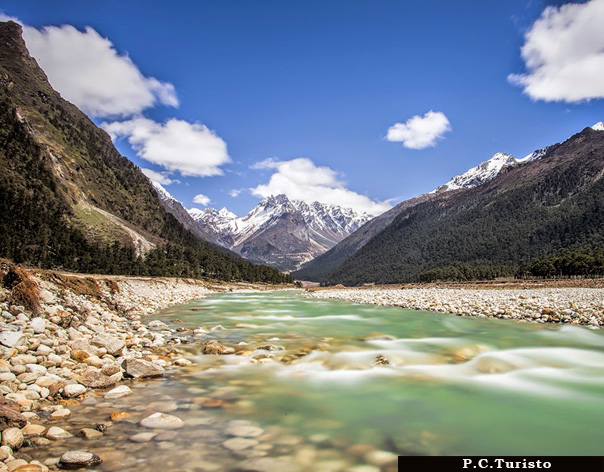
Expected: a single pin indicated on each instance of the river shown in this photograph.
(340, 385)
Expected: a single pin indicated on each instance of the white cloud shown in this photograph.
(564, 54)
(420, 132)
(301, 179)
(88, 71)
(235, 192)
(159, 177)
(178, 146)
(202, 199)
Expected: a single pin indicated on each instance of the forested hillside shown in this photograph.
(530, 210)
(69, 200)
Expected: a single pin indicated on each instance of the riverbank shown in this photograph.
(528, 303)
(66, 339)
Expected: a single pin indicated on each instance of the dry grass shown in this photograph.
(24, 290)
(77, 285)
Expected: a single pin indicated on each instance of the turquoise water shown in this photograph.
(453, 385)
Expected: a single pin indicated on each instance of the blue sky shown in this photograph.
(254, 86)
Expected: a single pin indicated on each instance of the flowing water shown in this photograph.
(322, 399)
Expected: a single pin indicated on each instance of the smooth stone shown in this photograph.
(5, 453)
(30, 468)
(74, 390)
(13, 438)
(77, 459)
(245, 431)
(118, 392)
(268, 464)
(140, 368)
(89, 433)
(142, 437)
(363, 468)
(162, 421)
(55, 433)
(7, 377)
(238, 444)
(45, 381)
(380, 458)
(60, 414)
(12, 338)
(15, 464)
(33, 430)
(38, 325)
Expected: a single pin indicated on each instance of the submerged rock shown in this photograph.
(162, 421)
(215, 348)
(78, 459)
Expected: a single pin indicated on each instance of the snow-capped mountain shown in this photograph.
(279, 231)
(172, 205)
(480, 174)
(599, 126)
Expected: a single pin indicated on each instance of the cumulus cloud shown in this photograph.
(420, 132)
(178, 146)
(88, 71)
(235, 192)
(301, 179)
(202, 199)
(564, 54)
(159, 177)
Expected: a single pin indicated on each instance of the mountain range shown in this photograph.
(69, 200)
(493, 218)
(279, 232)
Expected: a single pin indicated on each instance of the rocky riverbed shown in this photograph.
(578, 306)
(67, 341)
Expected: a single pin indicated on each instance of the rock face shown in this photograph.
(162, 421)
(140, 368)
(78, 459)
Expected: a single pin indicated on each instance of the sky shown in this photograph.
(357, 103)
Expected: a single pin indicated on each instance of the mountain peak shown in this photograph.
(480, 174)
(599, 126)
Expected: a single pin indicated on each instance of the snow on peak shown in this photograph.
(599, 126)
(480, 174)
(162, 192)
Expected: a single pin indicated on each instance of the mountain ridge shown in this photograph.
(477, 176)
(101, 214)
(530, 209)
